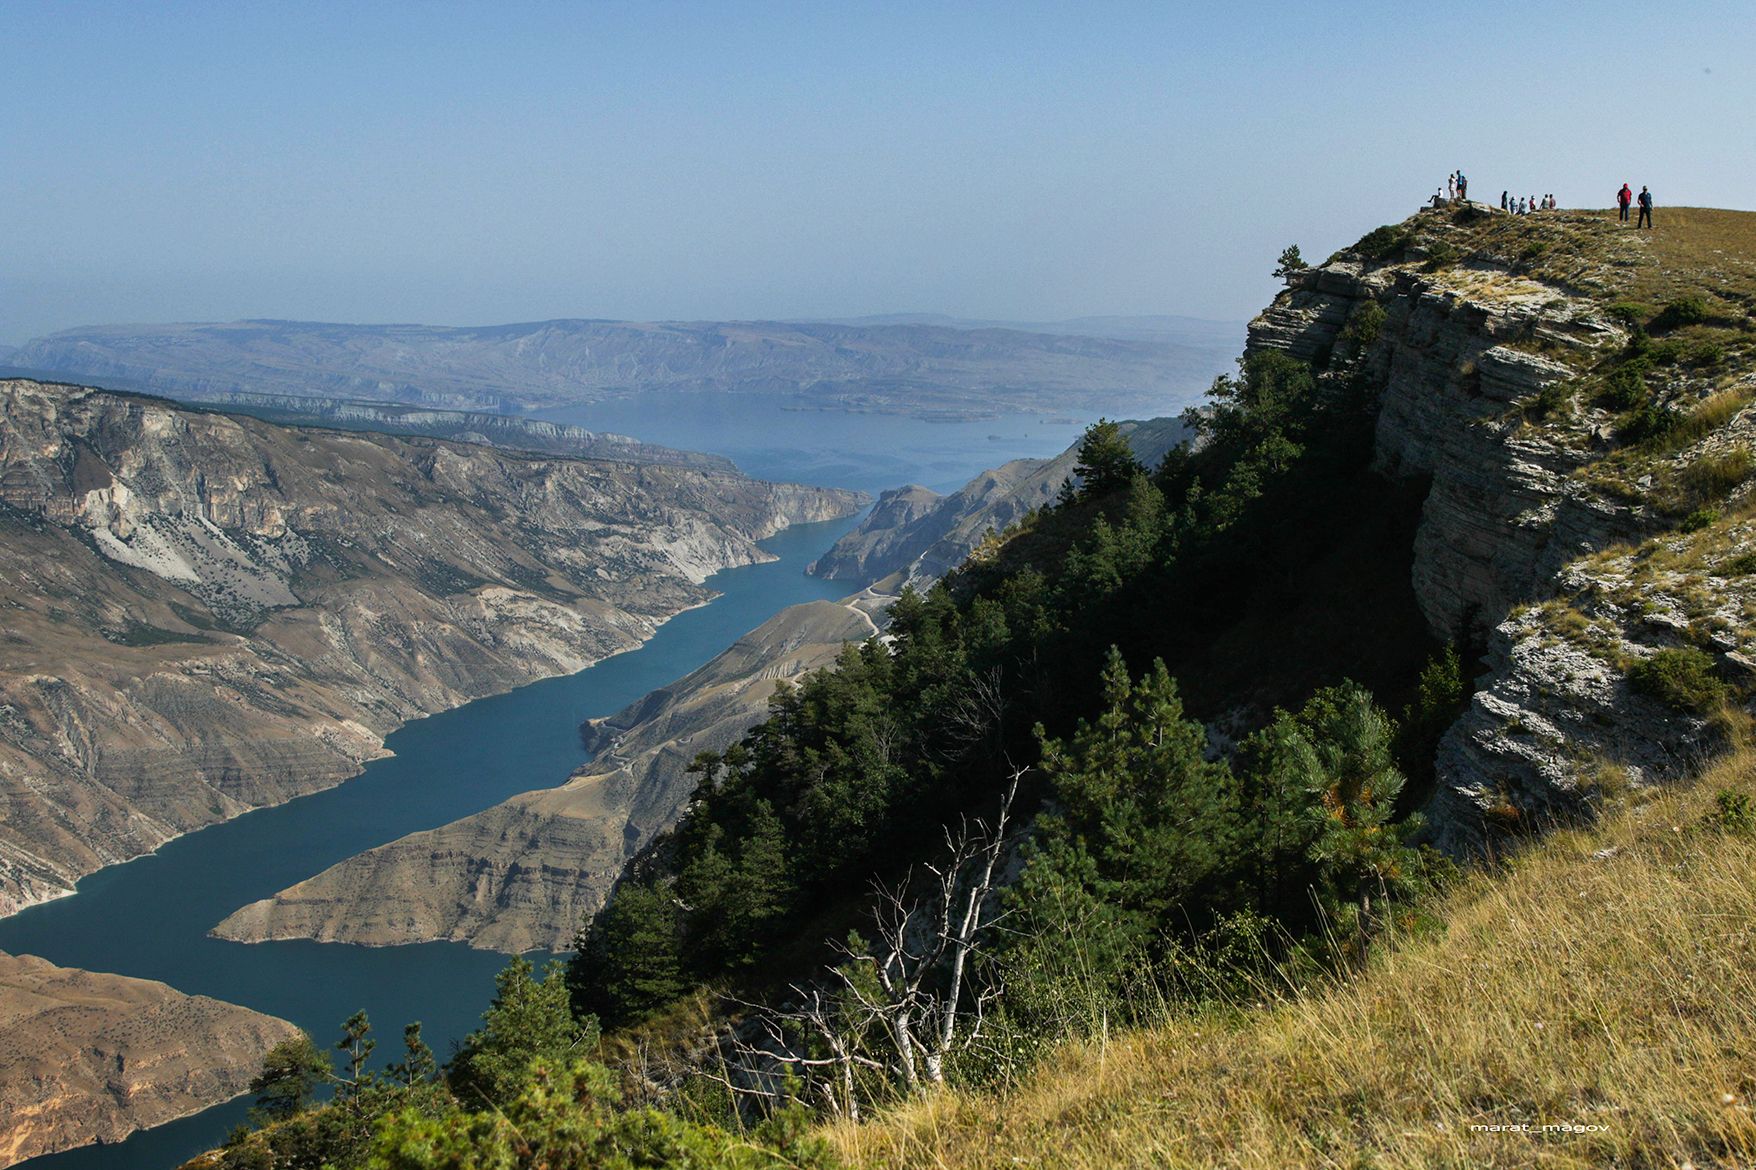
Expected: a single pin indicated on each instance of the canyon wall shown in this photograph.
(204, 613)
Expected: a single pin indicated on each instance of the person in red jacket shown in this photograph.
(1623, 198)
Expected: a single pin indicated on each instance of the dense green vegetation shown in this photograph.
(524, 1090)
(1083, 651)
(1228, 567)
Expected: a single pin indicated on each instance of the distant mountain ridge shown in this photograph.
(893, 368)
(1149, 327)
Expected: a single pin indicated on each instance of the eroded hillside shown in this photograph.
(527, 872)
(207, 613)
(86, 1057)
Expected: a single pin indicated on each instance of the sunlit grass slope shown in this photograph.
(1603, 979)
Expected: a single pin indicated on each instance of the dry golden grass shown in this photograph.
(1603, 978)
(1690, 251)
(1698, 249)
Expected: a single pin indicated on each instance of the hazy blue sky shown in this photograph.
(454, 163)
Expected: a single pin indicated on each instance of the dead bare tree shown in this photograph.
(888, 1017)
(975, 712)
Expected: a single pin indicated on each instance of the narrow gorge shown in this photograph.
(206, 613)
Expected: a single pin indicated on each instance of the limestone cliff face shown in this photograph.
(524, 873)
(1483, 317)
(1503, 514)
(206, 614)
(920, 536)
(86, 1057)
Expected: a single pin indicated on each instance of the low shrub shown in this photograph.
(1681, 677)
(1667, 352)
(1554, 399)
(1685, 310)
(1625, 386)
(1698, 519)
(1381, 243)
(1733, 813)
(1630, 313)
(1363, 326)
(1705, 353)
(1648, 422)
(1715, 475)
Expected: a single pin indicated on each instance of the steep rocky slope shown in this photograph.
(1578, 396)
(524, 873)
(87, 1057)
(920, 535)
(904, 367)
(205, 613)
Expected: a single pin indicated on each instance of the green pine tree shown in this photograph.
(1106, 461)
(530, 1017)
(292, 1071)
(628, 959)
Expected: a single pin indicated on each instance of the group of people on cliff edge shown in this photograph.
(1524, 206)
(1626, 196)
(1456, 189)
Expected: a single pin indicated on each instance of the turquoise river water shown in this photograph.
(150, 917)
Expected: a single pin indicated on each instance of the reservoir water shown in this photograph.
(776, 436)
(150, 917)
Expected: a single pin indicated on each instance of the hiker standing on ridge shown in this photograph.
(1451, 186)
(1462, 188)
(1504, 200)
(1645, 220)
(1623, 198)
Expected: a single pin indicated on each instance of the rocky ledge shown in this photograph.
(205, 613)
(1578, 397)
(86, 1057)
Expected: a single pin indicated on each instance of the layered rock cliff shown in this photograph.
(526, 872)
(86, 1057)
(1577, 395)
(206, 613)
(920, 536)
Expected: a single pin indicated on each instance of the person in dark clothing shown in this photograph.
(1623, 198)
(1645, 209)
(1503, 201)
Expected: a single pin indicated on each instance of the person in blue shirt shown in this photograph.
(1645, 209)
